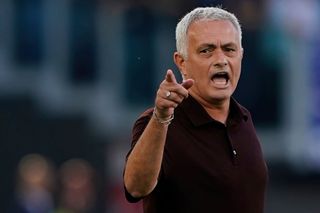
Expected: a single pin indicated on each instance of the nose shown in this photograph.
(220, 59)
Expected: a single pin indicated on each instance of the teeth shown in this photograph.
(220, 81)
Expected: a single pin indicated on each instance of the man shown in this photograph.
(197, 150)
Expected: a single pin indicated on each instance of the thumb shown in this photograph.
(187, 83)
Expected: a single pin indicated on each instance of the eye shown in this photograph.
(230, 49)
(206, 50)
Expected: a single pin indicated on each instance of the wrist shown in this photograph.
(165, 121)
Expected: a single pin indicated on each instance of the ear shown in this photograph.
(241, 52)
(180, 62)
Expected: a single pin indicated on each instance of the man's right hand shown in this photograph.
(170, 94)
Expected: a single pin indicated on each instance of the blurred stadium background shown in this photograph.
(75, 74)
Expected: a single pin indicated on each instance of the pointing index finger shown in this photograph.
(170, 77)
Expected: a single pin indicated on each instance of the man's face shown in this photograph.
(214, 60)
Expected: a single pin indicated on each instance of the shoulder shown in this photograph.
(144, 117)
(240, 109)
(142, 121)
(244, 110)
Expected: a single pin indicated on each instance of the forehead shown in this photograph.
(212, 31)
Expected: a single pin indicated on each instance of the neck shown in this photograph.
(217, 109)
(218, 113)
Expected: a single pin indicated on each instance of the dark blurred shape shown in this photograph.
(25, 129)
(35, 185)
(292, 192)
(77, 193)
(28, 32)
(83, 50)
(119, 203)
(315, 79)
(139, 53)
(259, 86)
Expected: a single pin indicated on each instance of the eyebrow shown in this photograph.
(210, 45)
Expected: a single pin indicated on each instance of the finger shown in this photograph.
(178, 90)
(165, 104)
(170, 95)
(187, 84)
(175, 97)
(170, 77)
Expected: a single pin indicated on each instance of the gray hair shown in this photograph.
(202, 13)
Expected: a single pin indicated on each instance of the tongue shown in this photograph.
(220, 81)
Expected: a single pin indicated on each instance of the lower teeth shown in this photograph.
(220, 81)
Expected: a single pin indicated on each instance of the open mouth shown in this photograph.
(220, 78)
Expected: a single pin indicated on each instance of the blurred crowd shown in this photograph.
(40, 187)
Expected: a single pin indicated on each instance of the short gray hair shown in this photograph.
(202, 13)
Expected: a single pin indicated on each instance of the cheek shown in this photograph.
(237, 71)
(202, 78)
(198, 70)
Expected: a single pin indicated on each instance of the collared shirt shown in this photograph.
(207, 166)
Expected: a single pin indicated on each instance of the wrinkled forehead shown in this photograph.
(213, 29)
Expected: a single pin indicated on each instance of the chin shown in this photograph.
(219, 95)
(220, 98)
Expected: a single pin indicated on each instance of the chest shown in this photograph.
(213, 157)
